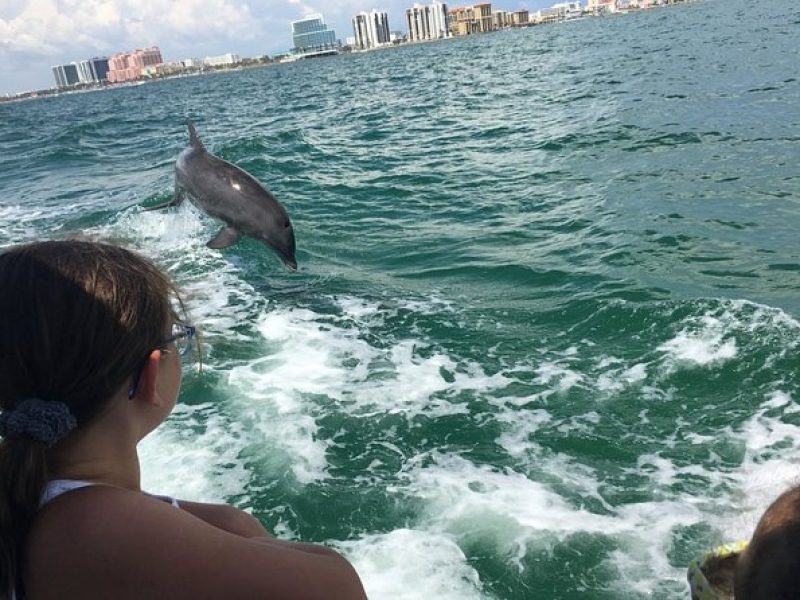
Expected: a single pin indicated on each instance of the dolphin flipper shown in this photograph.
(227, 236)
(176, 200)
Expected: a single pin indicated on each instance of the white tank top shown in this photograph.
(56, 487)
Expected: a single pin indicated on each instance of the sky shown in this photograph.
(37, 34)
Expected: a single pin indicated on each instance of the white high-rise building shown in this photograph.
(371, 29)
(427, 22)
(86, 71)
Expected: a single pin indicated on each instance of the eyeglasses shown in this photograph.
(182, 336)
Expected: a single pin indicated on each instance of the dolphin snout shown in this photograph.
(287, 257)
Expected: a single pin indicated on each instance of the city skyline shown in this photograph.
(39, 34)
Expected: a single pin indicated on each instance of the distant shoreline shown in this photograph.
(105, 85)
(251, 63)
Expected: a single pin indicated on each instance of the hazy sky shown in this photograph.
(37, 34)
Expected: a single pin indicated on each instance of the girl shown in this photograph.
(90, 364)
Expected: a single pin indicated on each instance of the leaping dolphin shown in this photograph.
(233, 196)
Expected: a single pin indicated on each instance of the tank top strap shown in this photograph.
(56, 487)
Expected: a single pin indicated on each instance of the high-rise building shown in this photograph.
(478, 18)
(86, 73)
(482, 15)
(427, 22)
(100, 67)
(66, 75)
(312, 37)
(128, 66)
(371, 29)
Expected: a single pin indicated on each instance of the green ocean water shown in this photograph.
(543, 342)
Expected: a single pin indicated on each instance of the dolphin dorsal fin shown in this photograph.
(194, 139)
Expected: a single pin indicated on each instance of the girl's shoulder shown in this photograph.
(82, 526)
(103, 542)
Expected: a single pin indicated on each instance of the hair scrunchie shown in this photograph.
(43, 420)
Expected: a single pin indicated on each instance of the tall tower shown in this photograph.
(427, 22)
(65, 75)
(312, 37)
(100, 68)
(371, 29)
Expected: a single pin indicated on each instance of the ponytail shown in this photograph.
(23, 474)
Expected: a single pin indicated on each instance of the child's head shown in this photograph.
(770, 567)
(77, 321)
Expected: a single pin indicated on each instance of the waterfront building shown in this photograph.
(466, 20)
(502, 18)
(224, 60)
(545, 15)
(129, 66)
(312, 37)
(93, 70)
(88, 71)
(482, 15)
(176, 68)
(429, 22)
(371, 29)
(99, 68)
(85, 72)
(568, 10)
(558, 13)
(66, 75)
(461, 20)
(597, 7)
(520, 18)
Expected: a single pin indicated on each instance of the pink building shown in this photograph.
(127, 66)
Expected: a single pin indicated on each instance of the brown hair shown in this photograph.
(770, 567)
(77, 319)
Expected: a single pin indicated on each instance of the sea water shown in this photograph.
(543, 342)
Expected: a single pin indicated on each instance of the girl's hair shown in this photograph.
(77, 321)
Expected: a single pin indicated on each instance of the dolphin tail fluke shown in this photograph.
(228, 236)
(194, 139)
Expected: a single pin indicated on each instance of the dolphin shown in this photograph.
(233, 196)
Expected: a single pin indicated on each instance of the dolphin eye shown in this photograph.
(287, 224)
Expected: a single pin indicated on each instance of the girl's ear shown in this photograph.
(713, 575)
(721, 572)
(148, 379)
